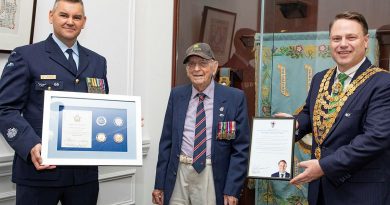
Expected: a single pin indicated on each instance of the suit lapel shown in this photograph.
(83, 59)
(366, 64)
(56, 54)
(219, 113)
(182, 108)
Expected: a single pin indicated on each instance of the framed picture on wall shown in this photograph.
(16, 24)
(217, 30)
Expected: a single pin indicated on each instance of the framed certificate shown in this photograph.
(91, 129)
(272, 148)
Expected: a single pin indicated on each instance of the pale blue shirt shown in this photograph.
(187, 147)
(63, 48)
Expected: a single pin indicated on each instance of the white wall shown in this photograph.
(154, 25)
(109, 32)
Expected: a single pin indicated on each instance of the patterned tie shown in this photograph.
(199, 156)
(342, 77)
(282, 176)
(339, 88)
(73, 66)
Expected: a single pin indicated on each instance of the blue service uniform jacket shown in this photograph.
(22, 88)
(229, 157)
(355, 155)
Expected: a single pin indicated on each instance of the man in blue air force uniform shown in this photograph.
(347, 110)
(204, 144)
(30, 70)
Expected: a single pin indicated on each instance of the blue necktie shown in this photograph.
(199, 155)
(73, 66)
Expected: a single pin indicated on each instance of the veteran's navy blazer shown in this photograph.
(355, 155)
(22, 88)
(229, 157)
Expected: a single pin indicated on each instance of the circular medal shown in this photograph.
(101, 137)
(118, 138)
(118, 121)
(101, 121)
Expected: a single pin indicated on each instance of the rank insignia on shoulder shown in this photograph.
(96, 85)
(12, 132)
(226, 130)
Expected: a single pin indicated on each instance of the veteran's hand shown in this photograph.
(229, 200)
(37, 159)
(158, 197)
(312, 172)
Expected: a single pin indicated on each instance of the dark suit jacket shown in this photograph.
(21, 92)
(276, 174)
(229, 157)
(356, 153)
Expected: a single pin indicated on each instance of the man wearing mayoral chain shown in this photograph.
(347, 111)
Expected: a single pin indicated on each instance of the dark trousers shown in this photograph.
(85, 194)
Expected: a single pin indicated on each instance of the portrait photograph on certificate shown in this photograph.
(91, 129)
(272, 148)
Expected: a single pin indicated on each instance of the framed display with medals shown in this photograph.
(272, 148)
(91, 129)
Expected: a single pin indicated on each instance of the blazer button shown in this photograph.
(77, 81)
(174, 173)
(49, 88)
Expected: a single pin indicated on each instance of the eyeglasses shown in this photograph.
(201, 64)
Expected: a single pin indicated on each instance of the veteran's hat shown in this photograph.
(202, 50)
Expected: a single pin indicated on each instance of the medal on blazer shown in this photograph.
(323, 118)
(96, 85)
(226, 130)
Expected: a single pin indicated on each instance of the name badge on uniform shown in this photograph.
(226, 130)
(48, 77)
(96, 85)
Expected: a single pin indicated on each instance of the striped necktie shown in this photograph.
(199, 155)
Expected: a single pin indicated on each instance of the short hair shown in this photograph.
(282, 161)
(72, 1)
(354, 16)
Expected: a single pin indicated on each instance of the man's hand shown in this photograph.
(312, 172)
(158, 197)
(229, 200)
(37, 159)
(282, 114)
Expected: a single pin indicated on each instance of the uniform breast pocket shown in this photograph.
(49, 85)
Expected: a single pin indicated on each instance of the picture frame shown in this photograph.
(272, 148)
(217, 30)
(91, 129)
(17, 27)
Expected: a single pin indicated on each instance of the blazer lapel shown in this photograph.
(366, 64)
(182, 108)
(219, 113)
(56, 54)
